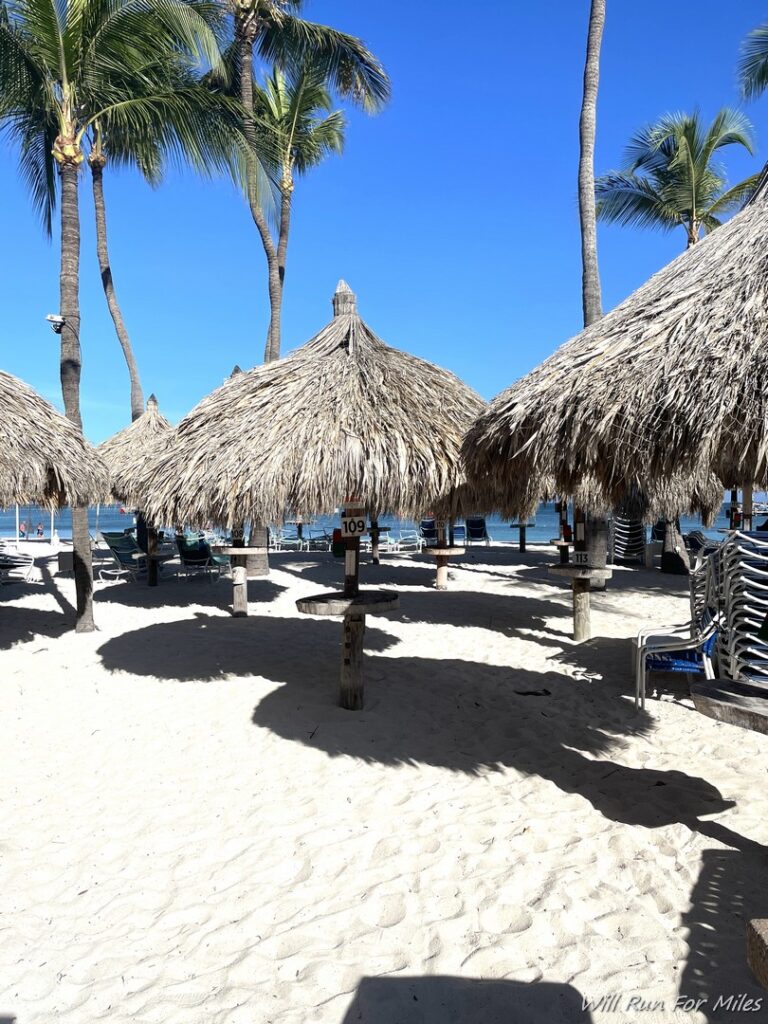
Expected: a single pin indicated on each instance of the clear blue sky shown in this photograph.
(453, 214)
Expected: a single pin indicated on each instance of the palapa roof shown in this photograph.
(344, 415)
(671, 383)
(126, 452)
(44, 458)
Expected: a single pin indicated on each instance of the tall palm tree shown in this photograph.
(297, 111)
(63, 68)
(206, 138)
(672, 179)
(596, 527)
(591, 299)
(273, 30)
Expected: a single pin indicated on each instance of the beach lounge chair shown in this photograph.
(477, 532)
(428, 532)
(15, 567)
(409, 540)
(123, 547)
(196, 557)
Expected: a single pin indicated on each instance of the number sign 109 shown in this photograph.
(353, 526)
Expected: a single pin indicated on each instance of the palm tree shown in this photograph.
(753, 65)
(273, 30)
(591, 300)
(203, 138)
(291, 109)
(63, 69)
(671, 178)
(596, 527)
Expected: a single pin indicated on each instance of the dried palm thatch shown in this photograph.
(43, 456)
(343, 415)
(673, 383)
(126, 452)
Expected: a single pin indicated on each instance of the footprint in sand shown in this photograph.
(499, 917)
(383, 911)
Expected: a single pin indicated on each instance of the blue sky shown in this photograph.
(453, 214)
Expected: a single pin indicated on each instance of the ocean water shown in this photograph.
(115, 518)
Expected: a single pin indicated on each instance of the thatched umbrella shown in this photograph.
(43, 456)
(125, 455)
(126, 452)
(343, 416)
(674, 381)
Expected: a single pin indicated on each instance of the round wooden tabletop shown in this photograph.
(580, 572)
(335, 603)
(226, 549)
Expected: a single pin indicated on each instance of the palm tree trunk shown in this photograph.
(590, 281)
(102, 250)
(674, 556)
(591, 299)
(69, 283)
(245, 38)
(273, 347)
(246, 29)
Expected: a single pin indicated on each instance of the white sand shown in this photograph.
(192, 832)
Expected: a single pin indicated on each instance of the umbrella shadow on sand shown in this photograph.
(473, 717)
(454, 1000)
(184, 592)
(537, 723)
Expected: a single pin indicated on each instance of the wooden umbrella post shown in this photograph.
(582, 628)
(746, 507)
(441, 574)
(153, 565)
(351, 689)
(733, 510)
(562, 545)
(239, 565)
(375, 540)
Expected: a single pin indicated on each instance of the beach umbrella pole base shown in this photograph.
(582, 626)
(442, 555)
(353, 611)
(351, 688)
(238, 560)
(581, 577)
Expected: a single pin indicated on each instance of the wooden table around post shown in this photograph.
(353, 611)
(442, 556)
(375, 531)
(154, 560)
(353, 605)
(238, 558)
(580, 575)
(563, 546)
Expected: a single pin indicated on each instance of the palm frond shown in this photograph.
(753, 63)
(350, 68)
(736, 196)
(631, 199)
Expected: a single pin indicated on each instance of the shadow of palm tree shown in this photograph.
(453, 1000)
(19, 624)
